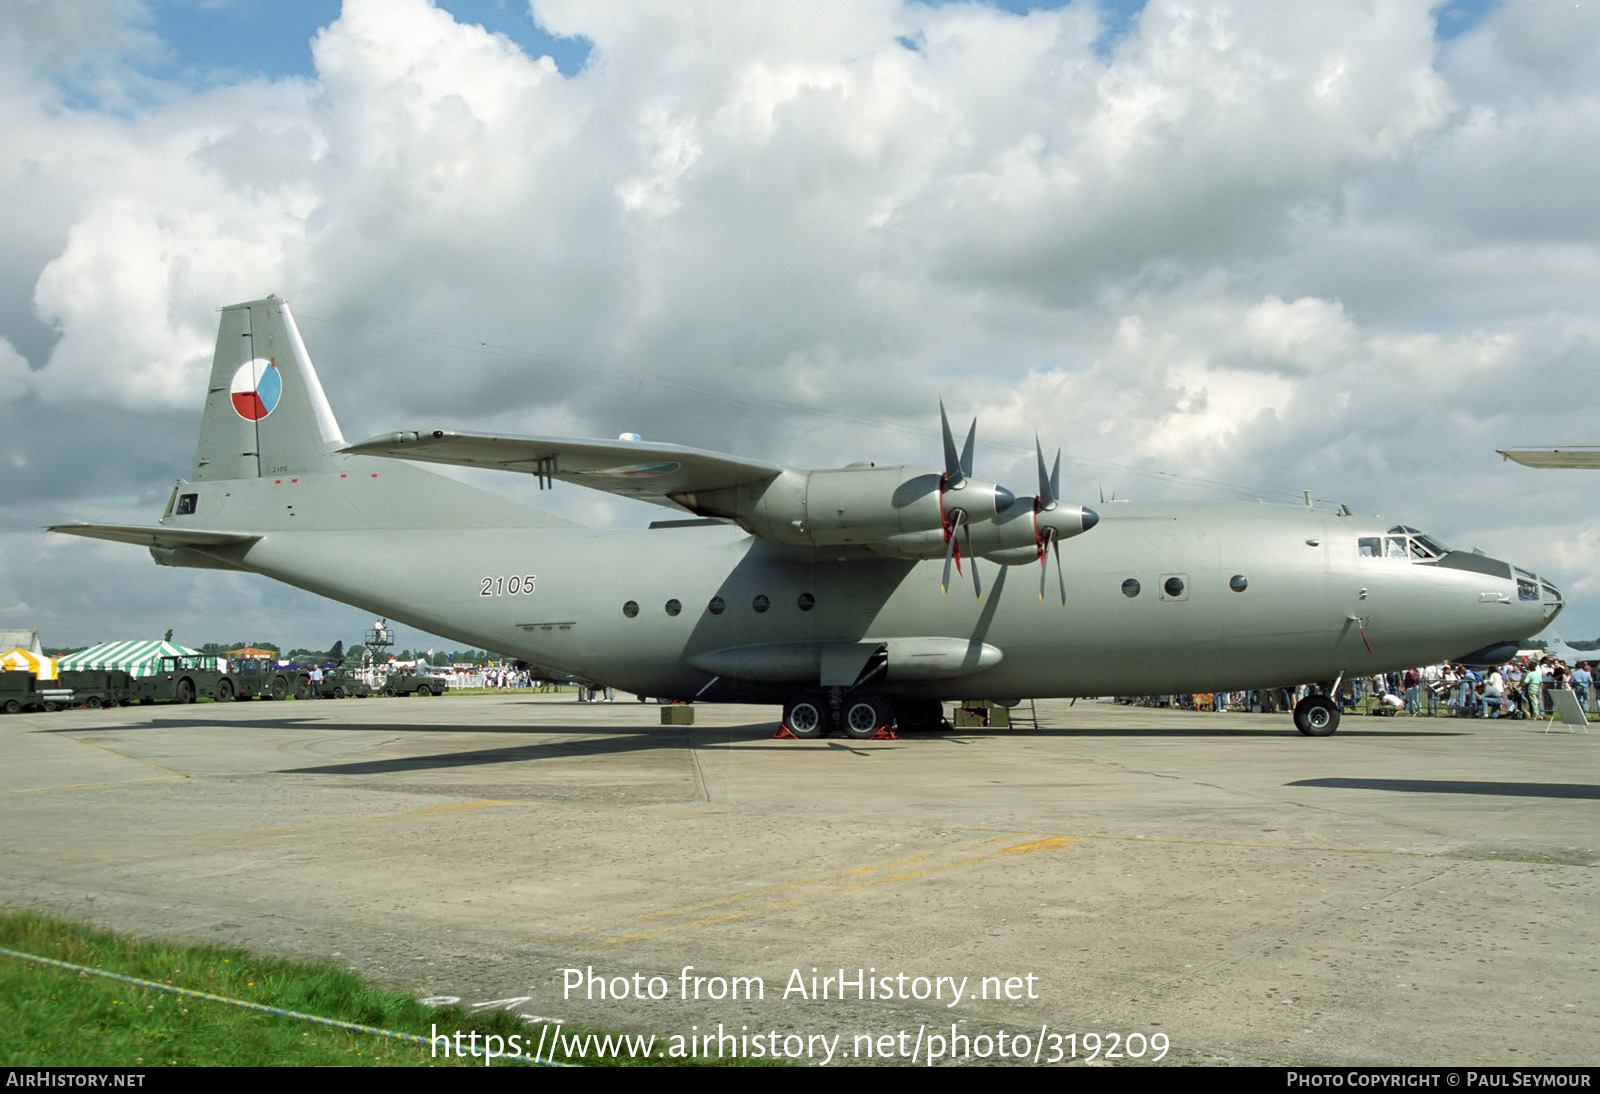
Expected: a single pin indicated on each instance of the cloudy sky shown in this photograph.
(1216, 249)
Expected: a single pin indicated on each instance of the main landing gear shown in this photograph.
(1316, 716)
(860, 716)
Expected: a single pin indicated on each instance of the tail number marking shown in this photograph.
(515, 585)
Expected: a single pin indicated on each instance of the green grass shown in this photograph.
(53, 1017)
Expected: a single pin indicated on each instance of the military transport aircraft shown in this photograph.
(828, 591)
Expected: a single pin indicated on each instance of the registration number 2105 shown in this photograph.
(515, 585)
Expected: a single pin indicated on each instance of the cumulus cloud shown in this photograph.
(1237, 248)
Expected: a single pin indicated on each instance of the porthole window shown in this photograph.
(630, 609)
(1237, 583)
(717, 606)
(1130, 588)
(1173, 587)
(673, 607)
(761, 603)
(806, 602)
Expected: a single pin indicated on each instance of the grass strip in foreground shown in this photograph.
(54, 1017)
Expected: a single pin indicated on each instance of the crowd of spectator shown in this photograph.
(1518, 689)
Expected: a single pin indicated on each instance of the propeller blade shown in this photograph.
(1055, 477)
(952, 462)
(1059, 579)
(952, 520)
(1047, 494)
(972, 560)
(1044, 548)
(966, 449)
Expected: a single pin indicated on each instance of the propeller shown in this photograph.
(1052, 521)
(956, 479)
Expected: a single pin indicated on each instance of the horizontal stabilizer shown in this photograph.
(633, 469)
(1576, 456)
(157, 537)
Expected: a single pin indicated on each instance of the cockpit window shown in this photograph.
(1425, 549)
(1527, 590)
(1402, 542)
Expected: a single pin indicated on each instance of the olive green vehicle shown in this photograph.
(414, 683)
(185, 678)
(345, 685)
(20, 691)
(256, 679)
(95, 688)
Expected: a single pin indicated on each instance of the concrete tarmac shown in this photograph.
(1409, 891)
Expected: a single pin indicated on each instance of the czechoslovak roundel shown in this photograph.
(256, 389)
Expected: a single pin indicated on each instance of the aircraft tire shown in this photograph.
(864, 716)
(1316, 716)
(806, 717)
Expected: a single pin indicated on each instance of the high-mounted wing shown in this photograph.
(904, 512)
(650, 472)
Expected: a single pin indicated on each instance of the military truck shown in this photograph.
(343, 684)
(412, 683)
(95, 688)
(258, 679)
(20, 691)
(183, 678)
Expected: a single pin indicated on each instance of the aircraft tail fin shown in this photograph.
(266, 413)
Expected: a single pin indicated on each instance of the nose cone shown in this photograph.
(1003, 499)
(1551, 600)
(1090, 518)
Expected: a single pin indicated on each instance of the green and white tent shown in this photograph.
(135, 658)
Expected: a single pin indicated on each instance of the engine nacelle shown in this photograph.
(1015, 538)
(896, 510)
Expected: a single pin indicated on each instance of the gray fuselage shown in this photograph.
(508, 578)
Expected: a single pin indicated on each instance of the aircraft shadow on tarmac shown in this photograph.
(1279, 728)
(1458, 786)
(589, 742)
(675, 736)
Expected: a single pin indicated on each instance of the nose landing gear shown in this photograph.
(1316, 716)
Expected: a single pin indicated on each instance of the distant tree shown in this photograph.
(168, 638)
